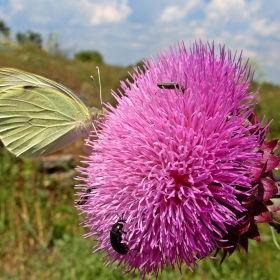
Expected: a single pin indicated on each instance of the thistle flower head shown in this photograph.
(173, 165)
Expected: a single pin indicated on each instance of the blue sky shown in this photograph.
(125, 32)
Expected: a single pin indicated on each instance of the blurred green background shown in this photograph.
(41, 235)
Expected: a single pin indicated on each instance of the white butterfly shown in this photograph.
(39, 116)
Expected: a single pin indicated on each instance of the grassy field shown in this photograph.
(41, 235)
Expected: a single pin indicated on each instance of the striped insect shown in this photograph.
(84, 198)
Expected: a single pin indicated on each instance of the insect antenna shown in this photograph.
(100, 96)
(100, 90)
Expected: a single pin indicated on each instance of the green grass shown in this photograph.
(269, 106)
(41, 235)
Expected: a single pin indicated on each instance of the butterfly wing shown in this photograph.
(12, 77)
(39, 116)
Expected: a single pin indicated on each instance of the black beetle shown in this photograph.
(84, 198)
(116, 237)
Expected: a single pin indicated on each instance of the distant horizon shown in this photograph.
(126, 32)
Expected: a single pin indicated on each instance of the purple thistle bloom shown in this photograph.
(173, 165)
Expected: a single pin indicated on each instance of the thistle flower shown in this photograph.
(176, 171)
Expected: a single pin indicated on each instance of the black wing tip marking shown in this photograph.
(28, 87)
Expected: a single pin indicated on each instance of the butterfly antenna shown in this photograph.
(99, 80)
(100, 94)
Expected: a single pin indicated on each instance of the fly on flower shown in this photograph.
(245, 122)
(84, 198)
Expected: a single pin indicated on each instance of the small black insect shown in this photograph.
(116, 237)
(245, 122)
(171, 85)
(84, 198)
